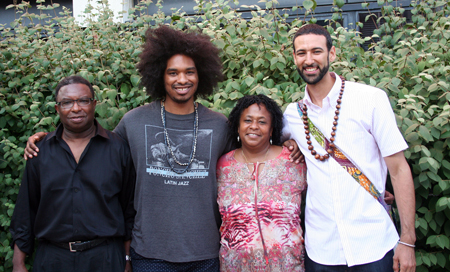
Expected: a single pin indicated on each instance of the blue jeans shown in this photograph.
(142, 264)
(383, 265)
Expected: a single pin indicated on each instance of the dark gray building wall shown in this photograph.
(351, 10)
(7, 16)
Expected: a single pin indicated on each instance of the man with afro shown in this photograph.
(175, 144)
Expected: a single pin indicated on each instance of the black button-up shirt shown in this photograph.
(62, 201)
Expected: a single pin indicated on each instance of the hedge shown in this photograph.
(410, 60)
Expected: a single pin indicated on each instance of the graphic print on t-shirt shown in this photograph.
(157, 153)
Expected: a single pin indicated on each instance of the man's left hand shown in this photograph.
(404, 259)
(296, 155)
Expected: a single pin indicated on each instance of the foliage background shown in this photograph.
(409, 60)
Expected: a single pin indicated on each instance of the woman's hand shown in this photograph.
(389, 198)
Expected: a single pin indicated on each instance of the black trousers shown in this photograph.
(108, 257)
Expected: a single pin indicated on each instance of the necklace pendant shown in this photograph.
(168, 145)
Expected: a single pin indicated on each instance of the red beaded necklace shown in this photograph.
(334, 128)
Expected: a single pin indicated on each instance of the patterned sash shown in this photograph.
(348, 165)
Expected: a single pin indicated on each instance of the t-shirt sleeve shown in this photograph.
(384, 126)
(229, 142)
(220, 165)
(120, 129)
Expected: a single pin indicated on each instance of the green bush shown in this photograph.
(409, 60)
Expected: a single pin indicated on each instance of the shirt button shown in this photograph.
(76, 190)
(75, 211)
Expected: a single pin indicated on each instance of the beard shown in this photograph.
(313, 80)
(180, 99)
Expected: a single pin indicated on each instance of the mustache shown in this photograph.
(183, 85)
(310, 66)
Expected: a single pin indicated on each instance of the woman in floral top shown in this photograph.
(260, 193)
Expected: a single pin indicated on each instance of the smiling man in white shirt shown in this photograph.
(348, 228)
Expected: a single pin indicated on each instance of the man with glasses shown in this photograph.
(76, 197)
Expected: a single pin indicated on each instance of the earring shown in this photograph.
(270, 140)
(238, 139)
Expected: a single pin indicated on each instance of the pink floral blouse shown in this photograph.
(262, 232)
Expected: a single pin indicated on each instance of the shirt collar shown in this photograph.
(332, 95)
(99, 131)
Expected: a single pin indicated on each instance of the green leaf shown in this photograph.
(397, 36)
(395, 81)
(437, 121)
(249, 80)
(235, 85)
(111, 93)
(425, 133)
(442, 241)
(433, 176)
(442, 204)
(308, 4)
(100, 75)
(234, 95)
(135, 80)
(446, 164)
(441, 261)
(425, 258)
(7, 54)
(413, 136)
(433, 163)
(265, 34)
(411, 128)
(220, 43)
(45, 121)
(125, 89)
(340, 3)
(273, 60)
(431, 240)
(102, 109)
(231, 30)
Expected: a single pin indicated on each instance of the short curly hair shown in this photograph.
(260, 99)
(162, 43)
(73, 80)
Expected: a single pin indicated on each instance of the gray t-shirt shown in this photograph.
(177, 216)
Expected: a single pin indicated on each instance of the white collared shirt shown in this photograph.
(344, 223)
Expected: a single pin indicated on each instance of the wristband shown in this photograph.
(406, 244)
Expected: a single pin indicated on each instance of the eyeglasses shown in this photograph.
(68, 104)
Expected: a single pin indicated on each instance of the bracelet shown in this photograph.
(406, 244)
